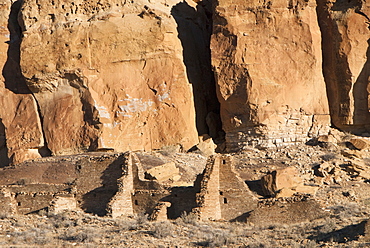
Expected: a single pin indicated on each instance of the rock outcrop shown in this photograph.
(268, 66)
(345, 45)
(21, 136)
(110, 73)
(113, 75)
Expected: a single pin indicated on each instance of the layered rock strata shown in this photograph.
(268, 66)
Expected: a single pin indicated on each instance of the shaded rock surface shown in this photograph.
(112, 75)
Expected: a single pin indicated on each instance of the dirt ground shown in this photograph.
(336, 216)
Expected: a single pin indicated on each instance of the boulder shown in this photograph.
(326, 140)
(325, 168)
(352, 153)
(282, 178)
(164, 172)
(359, 168)
(206, 145)
(360, 144)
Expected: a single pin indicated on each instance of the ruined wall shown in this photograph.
(222, 194)
(236, 199)
(82, 75)
(92, 179)
(268, 66)
(208, 202)
(134, 194)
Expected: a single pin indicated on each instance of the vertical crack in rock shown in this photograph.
(21, 121)
(43, 151)
(345, 48)
(194, 26)
(4, 159)
(14, 80)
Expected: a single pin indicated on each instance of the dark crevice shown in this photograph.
(91, 118)
(361, 93)
(43, 151)
(336, 71)
(14, 80)
(194, 28)
(4, 159)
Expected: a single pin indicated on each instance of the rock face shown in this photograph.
(82, 75)
(21, 135)
(345, 44)
(267, 61)
(106, 75)
(110, 73)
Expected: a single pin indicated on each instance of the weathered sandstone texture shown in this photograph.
(107, 75)
(115, 75)
(345, 45)
(82, 76)
(268, 66)
(21, 135)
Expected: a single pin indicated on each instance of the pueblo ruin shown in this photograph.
(237, 111)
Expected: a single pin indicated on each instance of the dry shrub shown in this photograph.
(35, 236)
(188, 218)
(218, 238)
(86, 235)
(61, 220)
(163, 229)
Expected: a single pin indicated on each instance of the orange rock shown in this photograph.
(110, 79)
(345, 62)
(265, 94)
(359, 143)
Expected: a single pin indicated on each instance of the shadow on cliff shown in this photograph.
(361, 93)
(194, 28)
(14, 80)
(4, 159)
(96, 201)
(336, 70)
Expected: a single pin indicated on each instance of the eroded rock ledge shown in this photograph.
(112, 75)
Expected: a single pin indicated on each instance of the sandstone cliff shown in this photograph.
(267, 60)
(345, 33)
(103, 75)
